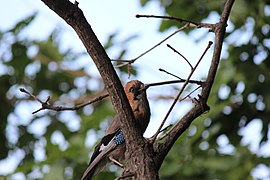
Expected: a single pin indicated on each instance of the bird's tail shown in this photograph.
(100, 160)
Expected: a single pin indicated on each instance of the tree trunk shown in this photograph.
(140, 163)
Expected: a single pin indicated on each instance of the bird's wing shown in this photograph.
(107, 144)
(114, 125)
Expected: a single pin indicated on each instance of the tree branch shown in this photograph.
(181, 20)
(169, 46)
(128, 62)
(47, 105)
(181, 91)
(162, 149)
(74, 16)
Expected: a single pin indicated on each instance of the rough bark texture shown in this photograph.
(144, 159)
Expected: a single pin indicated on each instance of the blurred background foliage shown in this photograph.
(54, 145)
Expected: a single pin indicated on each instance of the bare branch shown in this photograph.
(172, 82)
(181, 20)
(176, 131)
(147, 51)
(180, 55)
(162, 130)
(120, 60)
(24, 91)
(163, 70)
(180, 92)
(47, 105)
(207, 48)
(169, 131)
(189, 94)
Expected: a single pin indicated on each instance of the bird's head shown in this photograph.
(136, 94)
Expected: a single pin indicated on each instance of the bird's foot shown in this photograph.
(116, 162)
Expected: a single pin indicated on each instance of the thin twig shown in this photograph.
(180, 55)
(191, 93)
(46, 105)
(208, 47)
(180, 92)
(147, 51)
(182, 125)
(146, 86)
(168, 17)
(175, 81)
(120, 60)
(164, 129)
(163, 70)
(181, 20)
(168, 132)
(34, 97)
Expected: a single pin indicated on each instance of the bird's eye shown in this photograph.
(132, 89)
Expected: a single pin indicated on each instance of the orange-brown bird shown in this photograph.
(112, 146)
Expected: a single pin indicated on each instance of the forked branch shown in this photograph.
(181, 91)
(176, 131)
(128, 62)
(46, 105)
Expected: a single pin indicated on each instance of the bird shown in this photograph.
(112, 146)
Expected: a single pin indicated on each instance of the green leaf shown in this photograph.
(23, 24)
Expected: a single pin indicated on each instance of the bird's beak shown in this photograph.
(138, 96)
(145, 87)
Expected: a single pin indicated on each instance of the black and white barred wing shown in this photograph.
(108, 143)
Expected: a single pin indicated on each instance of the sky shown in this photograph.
(107, 17)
